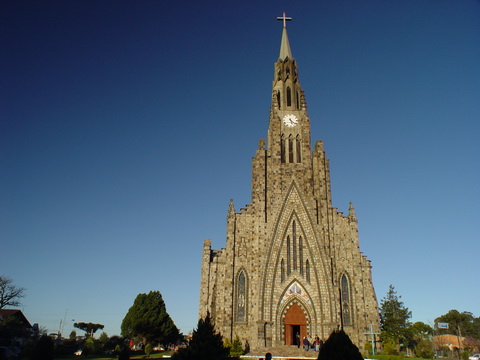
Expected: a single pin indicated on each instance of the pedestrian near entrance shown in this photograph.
(306, 343)
(316, 343)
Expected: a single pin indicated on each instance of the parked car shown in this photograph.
(474, 357)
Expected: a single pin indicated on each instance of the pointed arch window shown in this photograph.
(307, 270)
(241, 297)
(289, 270)
(289, 96)
(278, 100)
(345, 300)
(299, 147)
(294, 247)
(300, 254)
(282, 148)
(290, 149)
(282, 271)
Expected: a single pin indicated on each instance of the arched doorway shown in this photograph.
(295, 325)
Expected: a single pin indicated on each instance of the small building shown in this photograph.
(18, 327)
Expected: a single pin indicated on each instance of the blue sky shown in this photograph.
(126, 127)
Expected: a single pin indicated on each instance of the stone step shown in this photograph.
(282, 352)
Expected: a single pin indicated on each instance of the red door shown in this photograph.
(295, 325)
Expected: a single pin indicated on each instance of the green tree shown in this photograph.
(91, 346)
(73, 335)
(417, 332)
(115, 343)
(10, 295)
(339, 347)
(89, 328)
(460, 323)
(103, 342)
(394, 318)
(206, 344)
(149, 320)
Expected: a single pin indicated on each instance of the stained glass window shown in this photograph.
(347, 320)
(241, 297)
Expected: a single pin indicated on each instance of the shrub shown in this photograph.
(148, 349)
(124, 353)
(368, 348)
(236, 348)
(424, 349)
(43, 350)
(390, 348)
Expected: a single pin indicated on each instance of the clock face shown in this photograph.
(290, 120)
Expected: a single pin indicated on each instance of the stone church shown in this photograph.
(292, 266)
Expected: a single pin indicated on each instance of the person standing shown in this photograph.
(306, 343)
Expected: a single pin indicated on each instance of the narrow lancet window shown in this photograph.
(282, 149)
(282, 271)
(290, 149)
(241, 297)
(289, 96)
(288, 256)
(299, 146)
(345, 301)
(294, 247)
(300, 254)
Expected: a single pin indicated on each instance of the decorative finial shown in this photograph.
(285, 19)
(231, 209)
(351, 213)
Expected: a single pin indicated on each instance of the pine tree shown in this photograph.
(394, 318)
(206, 344)
(148, 319)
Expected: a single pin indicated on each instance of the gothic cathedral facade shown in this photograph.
(292, 266)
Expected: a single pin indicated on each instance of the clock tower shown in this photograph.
(292, 265)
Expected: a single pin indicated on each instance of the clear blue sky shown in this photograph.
(126, 127)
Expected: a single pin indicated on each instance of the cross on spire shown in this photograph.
(285, 19)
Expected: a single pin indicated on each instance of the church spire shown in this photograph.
(285, 45)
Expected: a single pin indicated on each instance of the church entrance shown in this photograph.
(295, 325)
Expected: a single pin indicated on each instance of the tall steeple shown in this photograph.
(285, 45)
(285, 51)
(289, 134)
